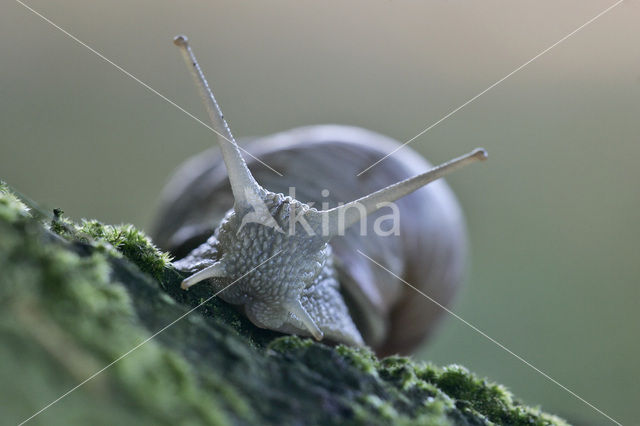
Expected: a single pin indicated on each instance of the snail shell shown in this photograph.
(428, 252)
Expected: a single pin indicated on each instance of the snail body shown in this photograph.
(300, 269)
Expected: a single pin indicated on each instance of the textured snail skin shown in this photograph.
(294, 268)
(429, 253)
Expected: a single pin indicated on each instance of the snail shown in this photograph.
(301, 267)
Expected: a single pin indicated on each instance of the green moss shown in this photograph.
(11, 207)
(288, 343)
(95, 320)
(69, 306)
(383, 409)
(116, 239)
(361, 358)
(489, 399)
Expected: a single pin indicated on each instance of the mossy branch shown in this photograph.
(76, 296)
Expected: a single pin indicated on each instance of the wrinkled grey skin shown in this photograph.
(298, 269)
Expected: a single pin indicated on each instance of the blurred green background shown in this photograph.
(553, 216)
